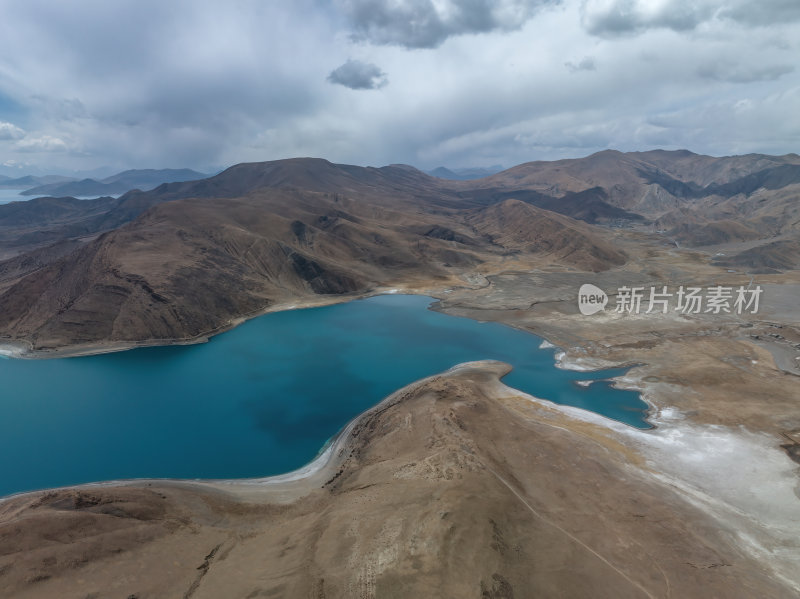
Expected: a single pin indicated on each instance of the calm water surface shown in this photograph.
(12, 195)
(258, 400)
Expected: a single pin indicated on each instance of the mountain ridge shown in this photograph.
(185, 267)
(122, 182)
(187, 257)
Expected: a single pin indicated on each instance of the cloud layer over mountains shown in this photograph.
(428, 82)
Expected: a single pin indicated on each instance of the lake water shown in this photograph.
(12, 195)
(258, 400)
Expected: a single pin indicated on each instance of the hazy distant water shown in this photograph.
(12, 195)
(260, 399)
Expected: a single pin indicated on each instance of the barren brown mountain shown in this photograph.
(188, 258)
(187, 267)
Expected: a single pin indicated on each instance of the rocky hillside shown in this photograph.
(189, 257)
(187, 267)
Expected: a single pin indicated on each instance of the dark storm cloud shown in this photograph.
(763, 12)
(427, 24)
(625, 17)
(358, 75)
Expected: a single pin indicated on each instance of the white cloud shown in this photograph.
(10, 131)
(42, 143)
(197, 83)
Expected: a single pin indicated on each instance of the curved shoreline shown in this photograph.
(298, 481)
(681, 457)
(330, 457)
(335, 444)
(21, 349)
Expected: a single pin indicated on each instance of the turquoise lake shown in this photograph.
(261, 399)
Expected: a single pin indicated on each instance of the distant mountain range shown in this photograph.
(464, 174)
(143, 179)
(30, 181)
(188, 257)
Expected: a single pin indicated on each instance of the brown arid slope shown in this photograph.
(611, 170)
(188, 259)
(25, 225)
(694, 197)
(456, 486)
(710, 233)
(619, 186)
(769, 257)
(188, 268)
(521, 227)
(636, 180)
(703, 170)
(37, 223)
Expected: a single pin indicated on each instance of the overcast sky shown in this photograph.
(196, 83)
